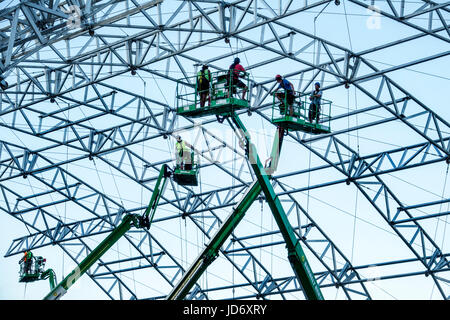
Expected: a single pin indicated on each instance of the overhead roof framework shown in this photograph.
(89, 113)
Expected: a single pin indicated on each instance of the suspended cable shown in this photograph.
(205, 284)
(65, 203)
(348, 135)
(348, 28)
(310, 143)
(438, 220)
(261, 228)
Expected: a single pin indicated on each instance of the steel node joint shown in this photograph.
(209, 258)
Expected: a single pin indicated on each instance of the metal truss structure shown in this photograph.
(88, 116)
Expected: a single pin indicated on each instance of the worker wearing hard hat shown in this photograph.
(183, 154)
(203, 85)
(287, 97)
(314, 107)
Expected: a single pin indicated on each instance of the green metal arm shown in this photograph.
(211, 251)
(50, 274)
(160, 186)
(272, 162)
(128, 221)
(296, 255)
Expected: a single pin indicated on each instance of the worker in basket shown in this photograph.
(237, 71)
(287, 96)
(203, 85)
(183, 154)
(26, 261)
(314, 107)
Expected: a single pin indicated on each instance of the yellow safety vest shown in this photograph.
(181, 147)
(202, 74)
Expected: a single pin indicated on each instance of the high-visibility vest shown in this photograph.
(201, 75)
(27, 255)
(181, 147)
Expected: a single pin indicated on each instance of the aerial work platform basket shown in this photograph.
(32, 269)
(225, 95)
(294, 114)
(186, 175)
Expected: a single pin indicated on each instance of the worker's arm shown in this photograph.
(315, 95)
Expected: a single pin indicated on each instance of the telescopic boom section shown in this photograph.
(296, 255)
(94, 256)
(157, 193)
(50, 274)
(211, 251)
(128, 221)
(272, 162)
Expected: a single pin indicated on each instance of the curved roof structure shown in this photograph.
(88, 118)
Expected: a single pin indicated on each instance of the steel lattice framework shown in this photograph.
(88, 115)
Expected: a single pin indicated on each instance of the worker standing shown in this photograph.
(203, 85)
(27, 262)
(237, 71)
(288, 94)
(314, 107)
(183, 154)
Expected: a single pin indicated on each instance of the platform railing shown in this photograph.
(192, 163)
(285, 105)
(298, 106)
(222, 85)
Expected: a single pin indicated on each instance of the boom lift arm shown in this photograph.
(50, 275)
(211, 251)
(295, 253)
(296, 256)
(130, 220)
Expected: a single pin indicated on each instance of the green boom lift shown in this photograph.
(130, 220)
(32, 269)
(296, 255)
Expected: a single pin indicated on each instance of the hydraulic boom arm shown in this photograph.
(211, 251)
(50, 274)
(128, 221)
(296, 256)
